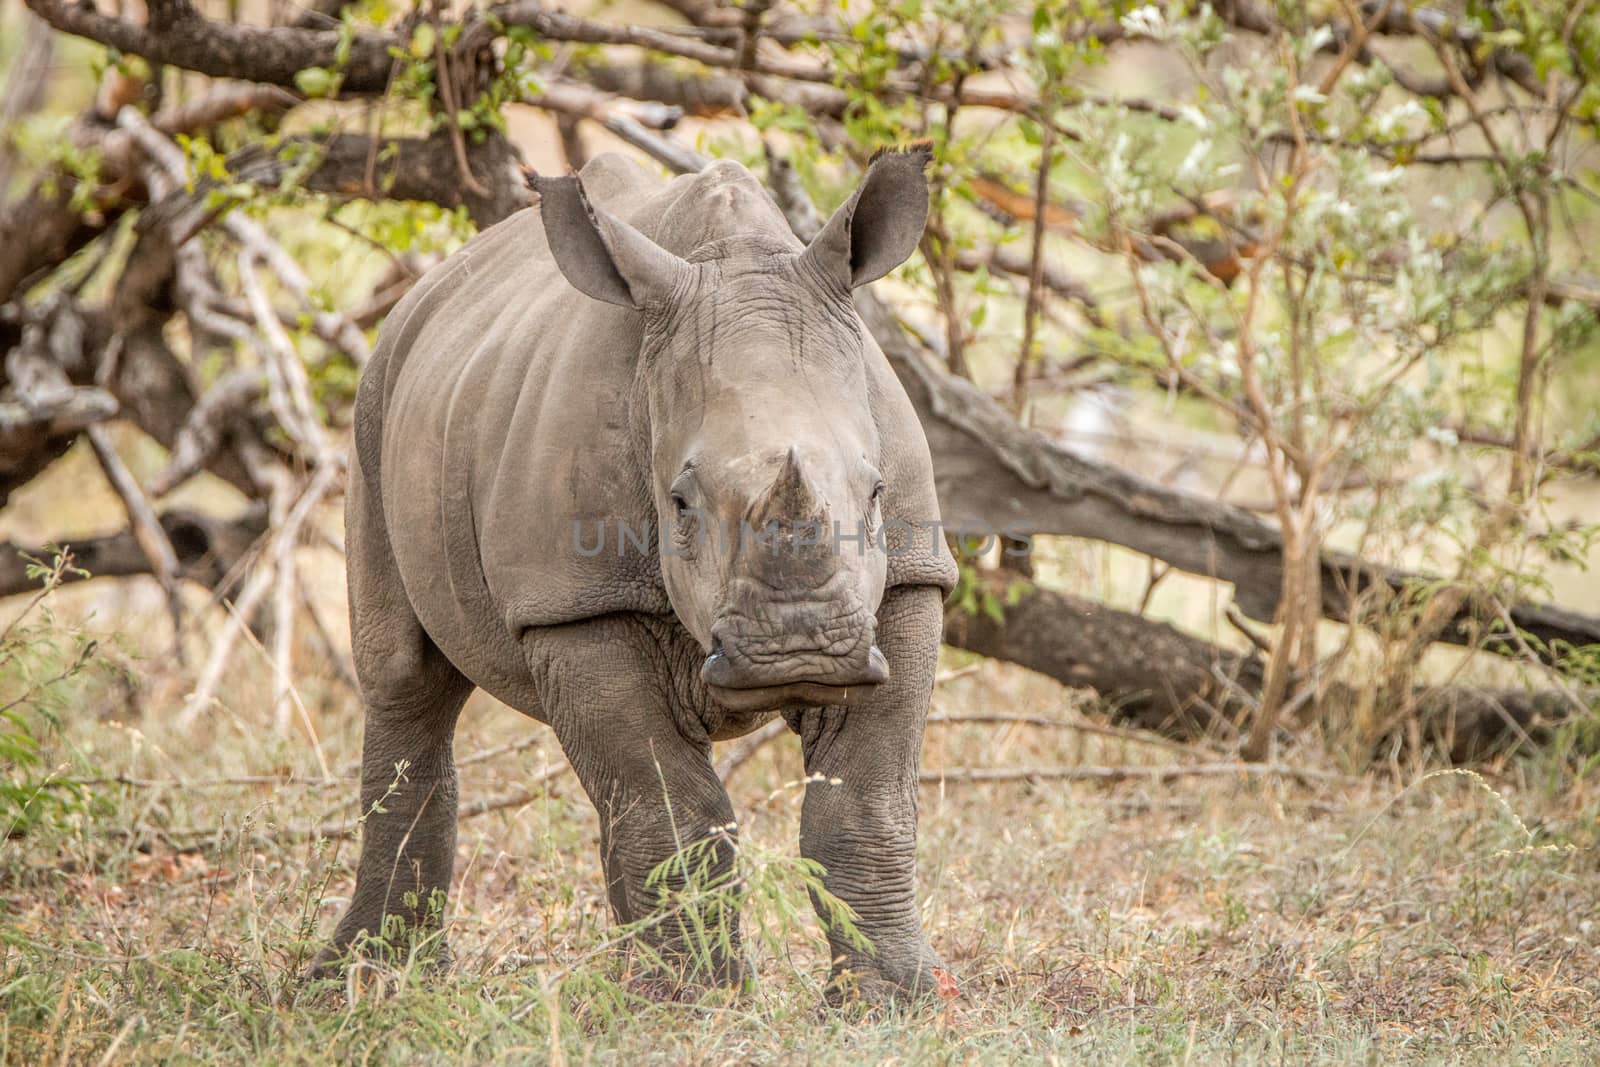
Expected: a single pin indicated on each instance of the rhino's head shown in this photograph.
(767, 471)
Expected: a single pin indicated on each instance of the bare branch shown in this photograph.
(784, 181)
(288, 388)
(183, 38)
(567, 97)
(744, 749)
(43, 412)
(1003, 718)
(411, 168)
(147, 529)
(207, 426)
(24, 90)
(516, 798)
(286, 531)
(258, 245)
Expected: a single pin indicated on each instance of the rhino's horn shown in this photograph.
(790, 498)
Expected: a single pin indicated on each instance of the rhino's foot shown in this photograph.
(873, 988)
(430, 954)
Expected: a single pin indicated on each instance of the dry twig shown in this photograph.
(1153, 775)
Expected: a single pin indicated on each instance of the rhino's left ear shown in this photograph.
(599, 253)
(879, 226)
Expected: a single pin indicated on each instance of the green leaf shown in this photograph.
(422, 39)
(317, 82)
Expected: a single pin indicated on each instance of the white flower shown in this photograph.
(1194, 117)
(1305, 94)
(1442, 435)
(1146, 21)
(1394, 121)
(1190, 167)
(1382, 179)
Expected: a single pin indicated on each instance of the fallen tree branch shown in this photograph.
(1585, 459)
(491, 753)
(1176, 685)
(1158, 678)
(566, 97)
(1150, 775)
(707, 95)
(45, 225)
(186, 39)
(208, 549)
(741, 751)
(1012, 260)
(221, 103)
(237, 782)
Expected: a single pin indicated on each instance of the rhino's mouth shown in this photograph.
(834, 682)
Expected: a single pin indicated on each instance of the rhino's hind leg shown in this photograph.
(408, 804)
(412, 696)
(607, 689)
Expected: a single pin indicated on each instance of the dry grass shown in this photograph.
(1203, 920)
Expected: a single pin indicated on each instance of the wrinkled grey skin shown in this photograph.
(639, 354)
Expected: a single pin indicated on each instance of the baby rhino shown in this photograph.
(631, 463)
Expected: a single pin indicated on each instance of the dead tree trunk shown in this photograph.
(1154, 676)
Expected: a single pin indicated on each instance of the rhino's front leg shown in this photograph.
(859, 819)
(607, 688)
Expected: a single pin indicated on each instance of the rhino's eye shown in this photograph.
(680, 506)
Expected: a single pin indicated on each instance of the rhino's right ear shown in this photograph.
(600, 254)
